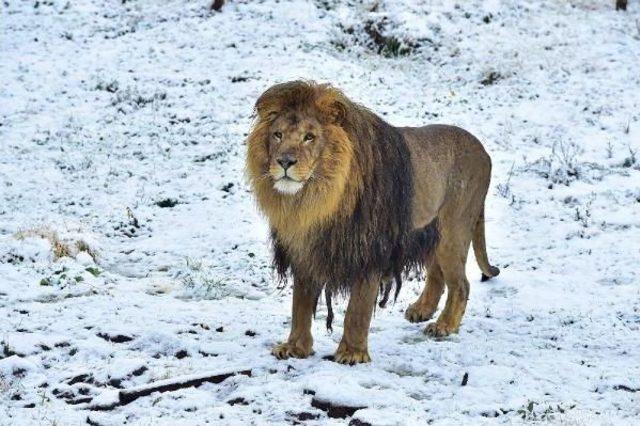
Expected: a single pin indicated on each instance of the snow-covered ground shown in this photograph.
(131, 250)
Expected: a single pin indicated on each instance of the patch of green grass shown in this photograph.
(93, 271)
(530, 412)
(393, 48)
(200, 281)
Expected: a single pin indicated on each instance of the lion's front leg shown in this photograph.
(353, 347)
(300, 342)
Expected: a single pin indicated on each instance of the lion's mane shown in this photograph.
(353, 220)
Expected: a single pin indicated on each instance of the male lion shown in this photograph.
(353, 202)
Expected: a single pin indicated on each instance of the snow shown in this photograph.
(122, 132)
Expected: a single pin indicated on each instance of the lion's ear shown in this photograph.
(334, 110)
(279, 96)
(267, 107)
(338, 113)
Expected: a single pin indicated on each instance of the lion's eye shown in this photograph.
(309, 137)
(277, 135)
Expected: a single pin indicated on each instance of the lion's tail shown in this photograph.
(480, 249)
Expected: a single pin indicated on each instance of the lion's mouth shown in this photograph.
(288, 185)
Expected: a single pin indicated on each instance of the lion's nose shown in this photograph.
(286, 160)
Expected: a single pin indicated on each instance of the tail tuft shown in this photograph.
(494, 273)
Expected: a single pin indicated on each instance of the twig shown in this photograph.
(132, 218)
(111, 400)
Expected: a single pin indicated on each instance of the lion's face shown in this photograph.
(300, 157)
(296, 141)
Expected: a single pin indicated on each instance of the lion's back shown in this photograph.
(448, 162)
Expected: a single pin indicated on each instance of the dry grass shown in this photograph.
(60, 248)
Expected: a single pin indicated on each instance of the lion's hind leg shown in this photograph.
(427, 303)
(451, 255)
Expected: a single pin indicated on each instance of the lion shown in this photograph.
(353, 202)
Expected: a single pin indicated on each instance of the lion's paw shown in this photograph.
(438, 329)
(289, 350)
(351, 356)
(418, 313)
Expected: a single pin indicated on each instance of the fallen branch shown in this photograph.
(335, 411)
(626, 388)
(111, 399)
